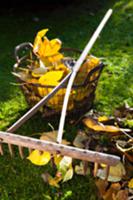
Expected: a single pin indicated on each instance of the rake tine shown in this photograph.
(21, 153)
(30, 150)
(96, 165)
(10, 147)
(107, 172)
(1, 149)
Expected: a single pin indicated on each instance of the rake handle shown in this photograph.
(76, 69)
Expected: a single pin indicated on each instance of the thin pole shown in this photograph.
(75, 70)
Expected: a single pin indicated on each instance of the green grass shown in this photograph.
(73, 24)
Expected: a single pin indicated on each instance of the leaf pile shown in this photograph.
(111, 135)
(103, 134)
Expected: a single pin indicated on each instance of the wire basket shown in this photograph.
(82, 93)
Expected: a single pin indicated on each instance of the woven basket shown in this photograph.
(81, 97)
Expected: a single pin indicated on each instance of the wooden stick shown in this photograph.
(95, 169)
(75, 70)
(10, 149)
(52, 147)
(1, 149)
(21, 153)
(107, 172)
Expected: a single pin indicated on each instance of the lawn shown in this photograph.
(74, 25)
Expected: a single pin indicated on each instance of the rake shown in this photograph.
(31, 143)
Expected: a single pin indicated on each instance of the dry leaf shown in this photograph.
(121, 195)
(68, 175)
(50, 180)
(79, 169)
(99, 127)
(130, 183)
(116, 173)
(80, 139)
(101, 185)
(52, 136)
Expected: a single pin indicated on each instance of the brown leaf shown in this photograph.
(80, 139)
(112, 191)
(101, 185)
(121, 195)
(52, 136)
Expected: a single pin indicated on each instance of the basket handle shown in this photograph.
(20, 47)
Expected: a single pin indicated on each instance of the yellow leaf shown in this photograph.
(38, 39)
(50, 180)
(53, 47)
(38, 158)
(52, 76)
(55, 58)
(97, 126)
(54, 181)
(130, 183)
(57, 159)
(103, 118)
(68, 175)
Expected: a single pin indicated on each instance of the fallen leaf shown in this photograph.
(121, 195)
(116, 173)
(68, 175)
(50, 180)
(101, 185)
(130, 183)
(99, 127)
(52, 136)
(38, 158)
(79, 169)
(80, 139)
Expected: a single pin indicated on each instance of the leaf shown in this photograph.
(24, 76)
(79, 169)
(38, 39)
(68, 175)
(116, 173)
(52, 136)
(99, 127)
(130, 183)
(50, 180)
(51, 76)
(121, 195)
(110, 193)
(80, 139)
(50, 48)
(57, 159)
(89, 64)
(64, 164)
(38, 158)
(38, 72)
(101, 185)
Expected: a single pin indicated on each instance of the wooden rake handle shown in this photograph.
(52, 147)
